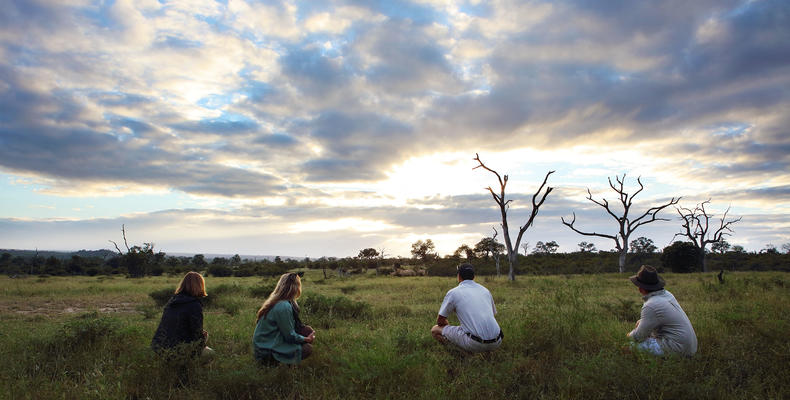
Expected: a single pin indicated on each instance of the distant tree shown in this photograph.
(52, 266)
(5, 262)
(786, 248)
(769, 249)
(585, 247)
(198, 262)
(464, 251)
(504, 205)
(496, 249)
(681, 257)
(219, 261)
(235, 260)
(643, 245)
(626, 225)
(173, 263)
(738, 249)
(487, 247)
(424, 251)
(720, 247)
(219, 269)
(138, 261)
(75, 266)
(696, 227)
(546, 248)
(368, 255)
(525, 247)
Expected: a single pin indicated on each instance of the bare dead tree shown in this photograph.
(494, 251)
(696, 227)
(626, 226)
(380, 259)
(525, 247)
(123, 230)
(504, 205)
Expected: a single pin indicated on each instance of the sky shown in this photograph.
(320, 128)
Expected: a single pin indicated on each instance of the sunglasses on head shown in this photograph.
(299, 274)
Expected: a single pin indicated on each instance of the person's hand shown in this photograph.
(310, 338)
(205, 334)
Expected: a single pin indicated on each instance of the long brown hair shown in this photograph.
(192, 284)
(289, 288)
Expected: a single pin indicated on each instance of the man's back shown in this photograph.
(474, 306)
(662, 314)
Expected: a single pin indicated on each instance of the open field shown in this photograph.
(87, 337)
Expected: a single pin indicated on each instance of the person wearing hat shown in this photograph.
(474, 306)
(663, 327)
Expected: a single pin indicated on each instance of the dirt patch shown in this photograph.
(57, 308)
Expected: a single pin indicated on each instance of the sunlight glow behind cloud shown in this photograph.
(258, 127)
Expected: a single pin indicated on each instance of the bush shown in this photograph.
(262, 291)
(337, 306)
(219, 270)
(681, 257)
(442, 268)
(161, 296)
(83, 331)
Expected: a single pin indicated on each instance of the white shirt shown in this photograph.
(663, 318)
(474, 306)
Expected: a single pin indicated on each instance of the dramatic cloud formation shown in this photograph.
(322, 127)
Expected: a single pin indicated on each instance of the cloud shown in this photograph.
(327, 103)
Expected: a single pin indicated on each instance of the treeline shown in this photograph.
(679, 257)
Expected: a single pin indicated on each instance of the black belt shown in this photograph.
(477, 338)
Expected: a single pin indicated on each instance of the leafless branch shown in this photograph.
(573, 221)
(123, 230)
(116, 247)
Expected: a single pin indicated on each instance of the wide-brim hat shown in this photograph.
(647, 278)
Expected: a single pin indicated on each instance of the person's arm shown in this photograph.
(645, 326)
(283, 316)
(196, 331)
(445, 310)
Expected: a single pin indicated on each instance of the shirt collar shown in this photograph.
(651, 294)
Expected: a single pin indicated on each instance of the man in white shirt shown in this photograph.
(474, 306)
(663, 327)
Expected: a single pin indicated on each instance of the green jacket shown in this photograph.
(275, 335)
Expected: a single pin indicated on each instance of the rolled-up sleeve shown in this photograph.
(647, 324)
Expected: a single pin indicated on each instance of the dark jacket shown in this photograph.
(182, 322)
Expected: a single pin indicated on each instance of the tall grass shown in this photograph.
(564, 338)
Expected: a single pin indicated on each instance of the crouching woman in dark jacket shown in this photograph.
(182, 319)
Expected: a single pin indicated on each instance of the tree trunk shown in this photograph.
(621, 262)
(513, 260)
(703, 261)
(497, 265)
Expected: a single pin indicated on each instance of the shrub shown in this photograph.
(161, 296)
(82, 331)
(219, 270)
(338, 306)
(442, 268)
(262, 291)
(348, 289)
(681, 257)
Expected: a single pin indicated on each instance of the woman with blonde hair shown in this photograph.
(279, 334)
(182, 318)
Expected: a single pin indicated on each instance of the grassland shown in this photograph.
(88, 337)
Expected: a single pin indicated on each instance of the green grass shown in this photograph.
(88, 337)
